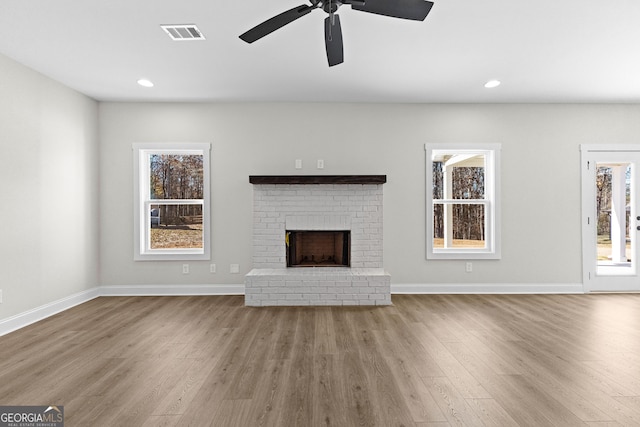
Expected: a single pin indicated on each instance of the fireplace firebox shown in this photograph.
(317, 248)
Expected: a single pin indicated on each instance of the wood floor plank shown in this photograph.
(325, 334)
(287, 323)
(328, 395)
(270, 393)
(392, 409)
(619, 371)
(143, 403)
(428, 360)
(417, 397)
(297, 405)
(117, 391)
(400, 340)
(490, 412)
(603, 424)
(161, 421)
(466, 383)
(231, 413)
(360, 409)
(420, 403)
(451, 402)
(177, 400)
(252, 360)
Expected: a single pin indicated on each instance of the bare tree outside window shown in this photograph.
(604, 188)
(176, 177)
(468, 220)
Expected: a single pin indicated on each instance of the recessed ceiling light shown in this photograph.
(145, 83)
(492, 83)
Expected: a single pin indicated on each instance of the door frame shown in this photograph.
(588, 159)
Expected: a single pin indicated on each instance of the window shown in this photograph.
(171, 209)
(463, 201)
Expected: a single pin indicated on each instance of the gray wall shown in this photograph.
(48, 189)
(540, 178)
(65, 155)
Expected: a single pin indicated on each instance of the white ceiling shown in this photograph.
(542, 51)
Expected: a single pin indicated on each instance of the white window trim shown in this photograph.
(492, 215)
(142, 217)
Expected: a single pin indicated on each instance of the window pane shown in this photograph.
(176, 176)
(468, 183)
(176, 227)
(465, 223)
(438, 224)
(613, 215)
(438, 180)
(458, 176)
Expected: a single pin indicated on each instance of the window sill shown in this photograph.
(441, 255)
(171, 256)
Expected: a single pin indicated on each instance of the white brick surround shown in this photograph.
(278, 208)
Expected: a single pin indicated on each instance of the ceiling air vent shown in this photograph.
(183, 32)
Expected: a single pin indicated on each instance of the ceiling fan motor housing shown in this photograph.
(330, 6)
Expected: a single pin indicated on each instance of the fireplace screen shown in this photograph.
(317, 248)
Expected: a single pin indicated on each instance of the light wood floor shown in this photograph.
(428, 360)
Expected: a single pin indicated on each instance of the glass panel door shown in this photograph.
(610, 219)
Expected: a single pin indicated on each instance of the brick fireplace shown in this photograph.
(317, 240)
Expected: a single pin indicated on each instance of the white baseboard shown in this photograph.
(488, 288)
(171, 290)
(39, 313)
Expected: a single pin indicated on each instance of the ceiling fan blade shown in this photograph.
(416, 10)
(333, 39)
(278, 21)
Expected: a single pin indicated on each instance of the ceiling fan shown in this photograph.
(416, 10)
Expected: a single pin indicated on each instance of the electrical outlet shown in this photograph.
(0, 296)
(234, 268)
(185, 268)
(469, 267)
(320, 164)
(212, 268)
(298, 163)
